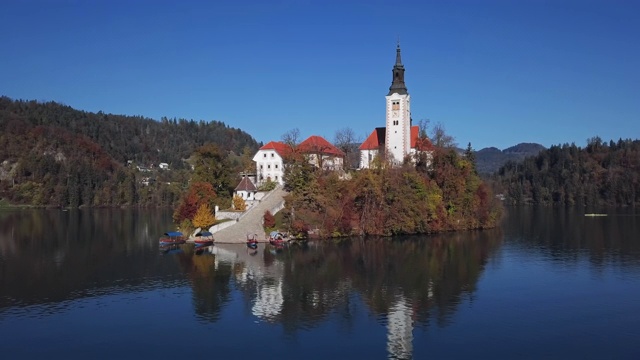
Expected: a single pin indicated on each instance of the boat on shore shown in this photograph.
(252, 241)
(204, 238)
(172, 238)
(278, 239)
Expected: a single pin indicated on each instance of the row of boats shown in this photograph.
(205, 238)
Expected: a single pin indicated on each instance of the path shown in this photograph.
(251, 222)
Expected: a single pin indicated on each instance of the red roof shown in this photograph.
(417, 143)
(376, 139)
(318, 144)
(281, 148)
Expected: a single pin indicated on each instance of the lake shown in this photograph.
(548, 283)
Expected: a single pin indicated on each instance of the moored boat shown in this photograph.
(252, 242)
(277, 238)
(172, 238)
(204, 238)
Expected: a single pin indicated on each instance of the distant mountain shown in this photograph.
(489, 160)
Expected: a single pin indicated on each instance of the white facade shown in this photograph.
(246, 195)
(398, 134)
(329, 162)
(366, 158)
(269, 165)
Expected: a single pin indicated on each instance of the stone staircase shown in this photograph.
(251, 222)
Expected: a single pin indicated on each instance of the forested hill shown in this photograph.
(46, 148)
(136, 138)
(602, 174)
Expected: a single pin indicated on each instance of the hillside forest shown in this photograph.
(601, 174)
(55, 156)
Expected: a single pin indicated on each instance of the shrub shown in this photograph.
(269, 219)
(239, 203)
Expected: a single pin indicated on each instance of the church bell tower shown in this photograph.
(398, 126)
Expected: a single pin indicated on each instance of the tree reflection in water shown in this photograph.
(404, 282)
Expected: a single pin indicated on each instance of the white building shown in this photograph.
(320, 153)
(270, 162)
(246, 189)
(398, 138)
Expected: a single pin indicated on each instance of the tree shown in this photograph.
(246, 160)
(470, 155)
(440, 138)
(291, 137)
(212, 166)
(199, 193)
(346, 140)
(239, 203)
(203, 217)
(269, 220)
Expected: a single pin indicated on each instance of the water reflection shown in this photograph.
(51, 258)
(48, 256)
(566, 235)
(405, 282)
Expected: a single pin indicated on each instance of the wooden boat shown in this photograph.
(172, 238)
(204, 238)
(252, 242)
(277, 239)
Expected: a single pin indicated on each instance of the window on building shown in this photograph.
(264, 155)
(272, 155)
(260, 167)
(268, 166)
(276, 177)
(395, 105)
(276, 166)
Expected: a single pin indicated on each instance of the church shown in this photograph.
(399, 138)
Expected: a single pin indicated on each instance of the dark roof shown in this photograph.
(397, 84)
(246, 185)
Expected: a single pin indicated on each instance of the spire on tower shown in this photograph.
(397, 84)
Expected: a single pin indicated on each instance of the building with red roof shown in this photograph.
(399, 138)
(270, 158)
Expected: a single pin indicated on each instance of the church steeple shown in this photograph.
(397, 85)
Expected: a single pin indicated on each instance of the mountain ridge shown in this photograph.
(490, 159)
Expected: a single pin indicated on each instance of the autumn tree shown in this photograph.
(239, 203)
(199, 193)
(203, 217)
(269, 221)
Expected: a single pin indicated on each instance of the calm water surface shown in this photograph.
(548, 283)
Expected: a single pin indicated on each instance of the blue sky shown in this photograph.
(494, 73)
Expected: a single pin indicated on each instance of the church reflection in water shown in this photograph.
(405, 282)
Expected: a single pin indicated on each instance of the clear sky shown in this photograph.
(494, 73)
